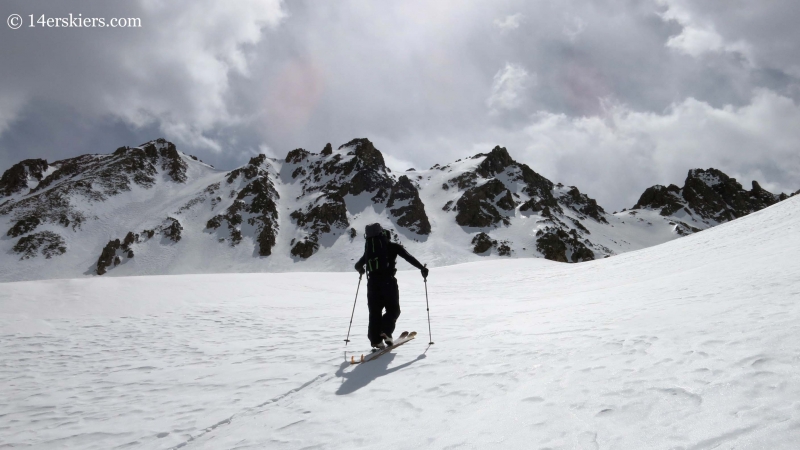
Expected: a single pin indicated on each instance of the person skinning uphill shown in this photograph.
(380, 257)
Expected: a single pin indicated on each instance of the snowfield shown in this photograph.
(693, 344)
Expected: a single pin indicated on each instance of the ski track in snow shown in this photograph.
(694, 344)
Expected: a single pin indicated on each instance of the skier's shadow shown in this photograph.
(364, 374)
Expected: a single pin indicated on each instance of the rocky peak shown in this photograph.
(710, 194)
(407, 208)
(16, 178)
(366, 155)
(496, 161)
(356, 167)
(255, 205)
(95, 178)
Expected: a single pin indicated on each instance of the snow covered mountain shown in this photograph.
(708, 198)
(154, 210)
(692, 344)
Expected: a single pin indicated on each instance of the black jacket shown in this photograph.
(394, 251)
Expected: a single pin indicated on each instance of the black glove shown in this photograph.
(360, 269)
(424, 272)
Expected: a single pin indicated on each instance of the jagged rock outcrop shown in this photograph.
(498, 185)
(581, 203)
(480, 206)
(666, 199)
(482, 244)
(117, 252)
(304, 249)
(255, 205)
(558, 245)
(47, 243)
(24, 226)
(324, 214)
(171, 229)
(16, 178)
(709, 194)
(356, 168)
(108, 257)
(407, 208)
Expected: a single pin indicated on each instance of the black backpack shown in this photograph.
(376, 250)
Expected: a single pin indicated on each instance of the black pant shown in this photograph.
(382, 293)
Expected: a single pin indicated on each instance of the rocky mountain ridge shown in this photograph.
(98, 214)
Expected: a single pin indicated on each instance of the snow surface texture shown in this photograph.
(693, 344)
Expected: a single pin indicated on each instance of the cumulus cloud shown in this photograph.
(509, 87)
(174, 71)
(699, 36)
(428, 82)
(615, 157)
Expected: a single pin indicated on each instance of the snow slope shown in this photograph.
(693, 344)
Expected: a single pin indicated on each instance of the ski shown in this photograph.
(405, 336)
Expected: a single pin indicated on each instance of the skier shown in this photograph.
(380, 257)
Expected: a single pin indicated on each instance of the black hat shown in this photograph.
(373, 230)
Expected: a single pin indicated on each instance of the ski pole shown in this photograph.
(347, 339)
(428, 308)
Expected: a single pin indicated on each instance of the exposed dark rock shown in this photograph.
(48, 243)
(478, 206)
(482, 243)
(583, 204)
(711, 194)
(504, 249)
(555, 243)
(108, 256)
(172, 229)
(368, 170)
(15, 179)
(236, 237)
(23, 226)
(498, 160)
(304, 249)
(328, 211)
(256, 203)
(298, 155)
(129, 240)
(667, 199)
(448, 206)
(250, 171)
(464, 181)
(299, 171)
(172, 162)
(327, 150)
(404, 204)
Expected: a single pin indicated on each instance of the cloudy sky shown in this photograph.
(609, 95)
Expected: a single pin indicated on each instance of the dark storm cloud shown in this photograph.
(609, 95)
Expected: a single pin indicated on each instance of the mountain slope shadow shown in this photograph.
(364, 374)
